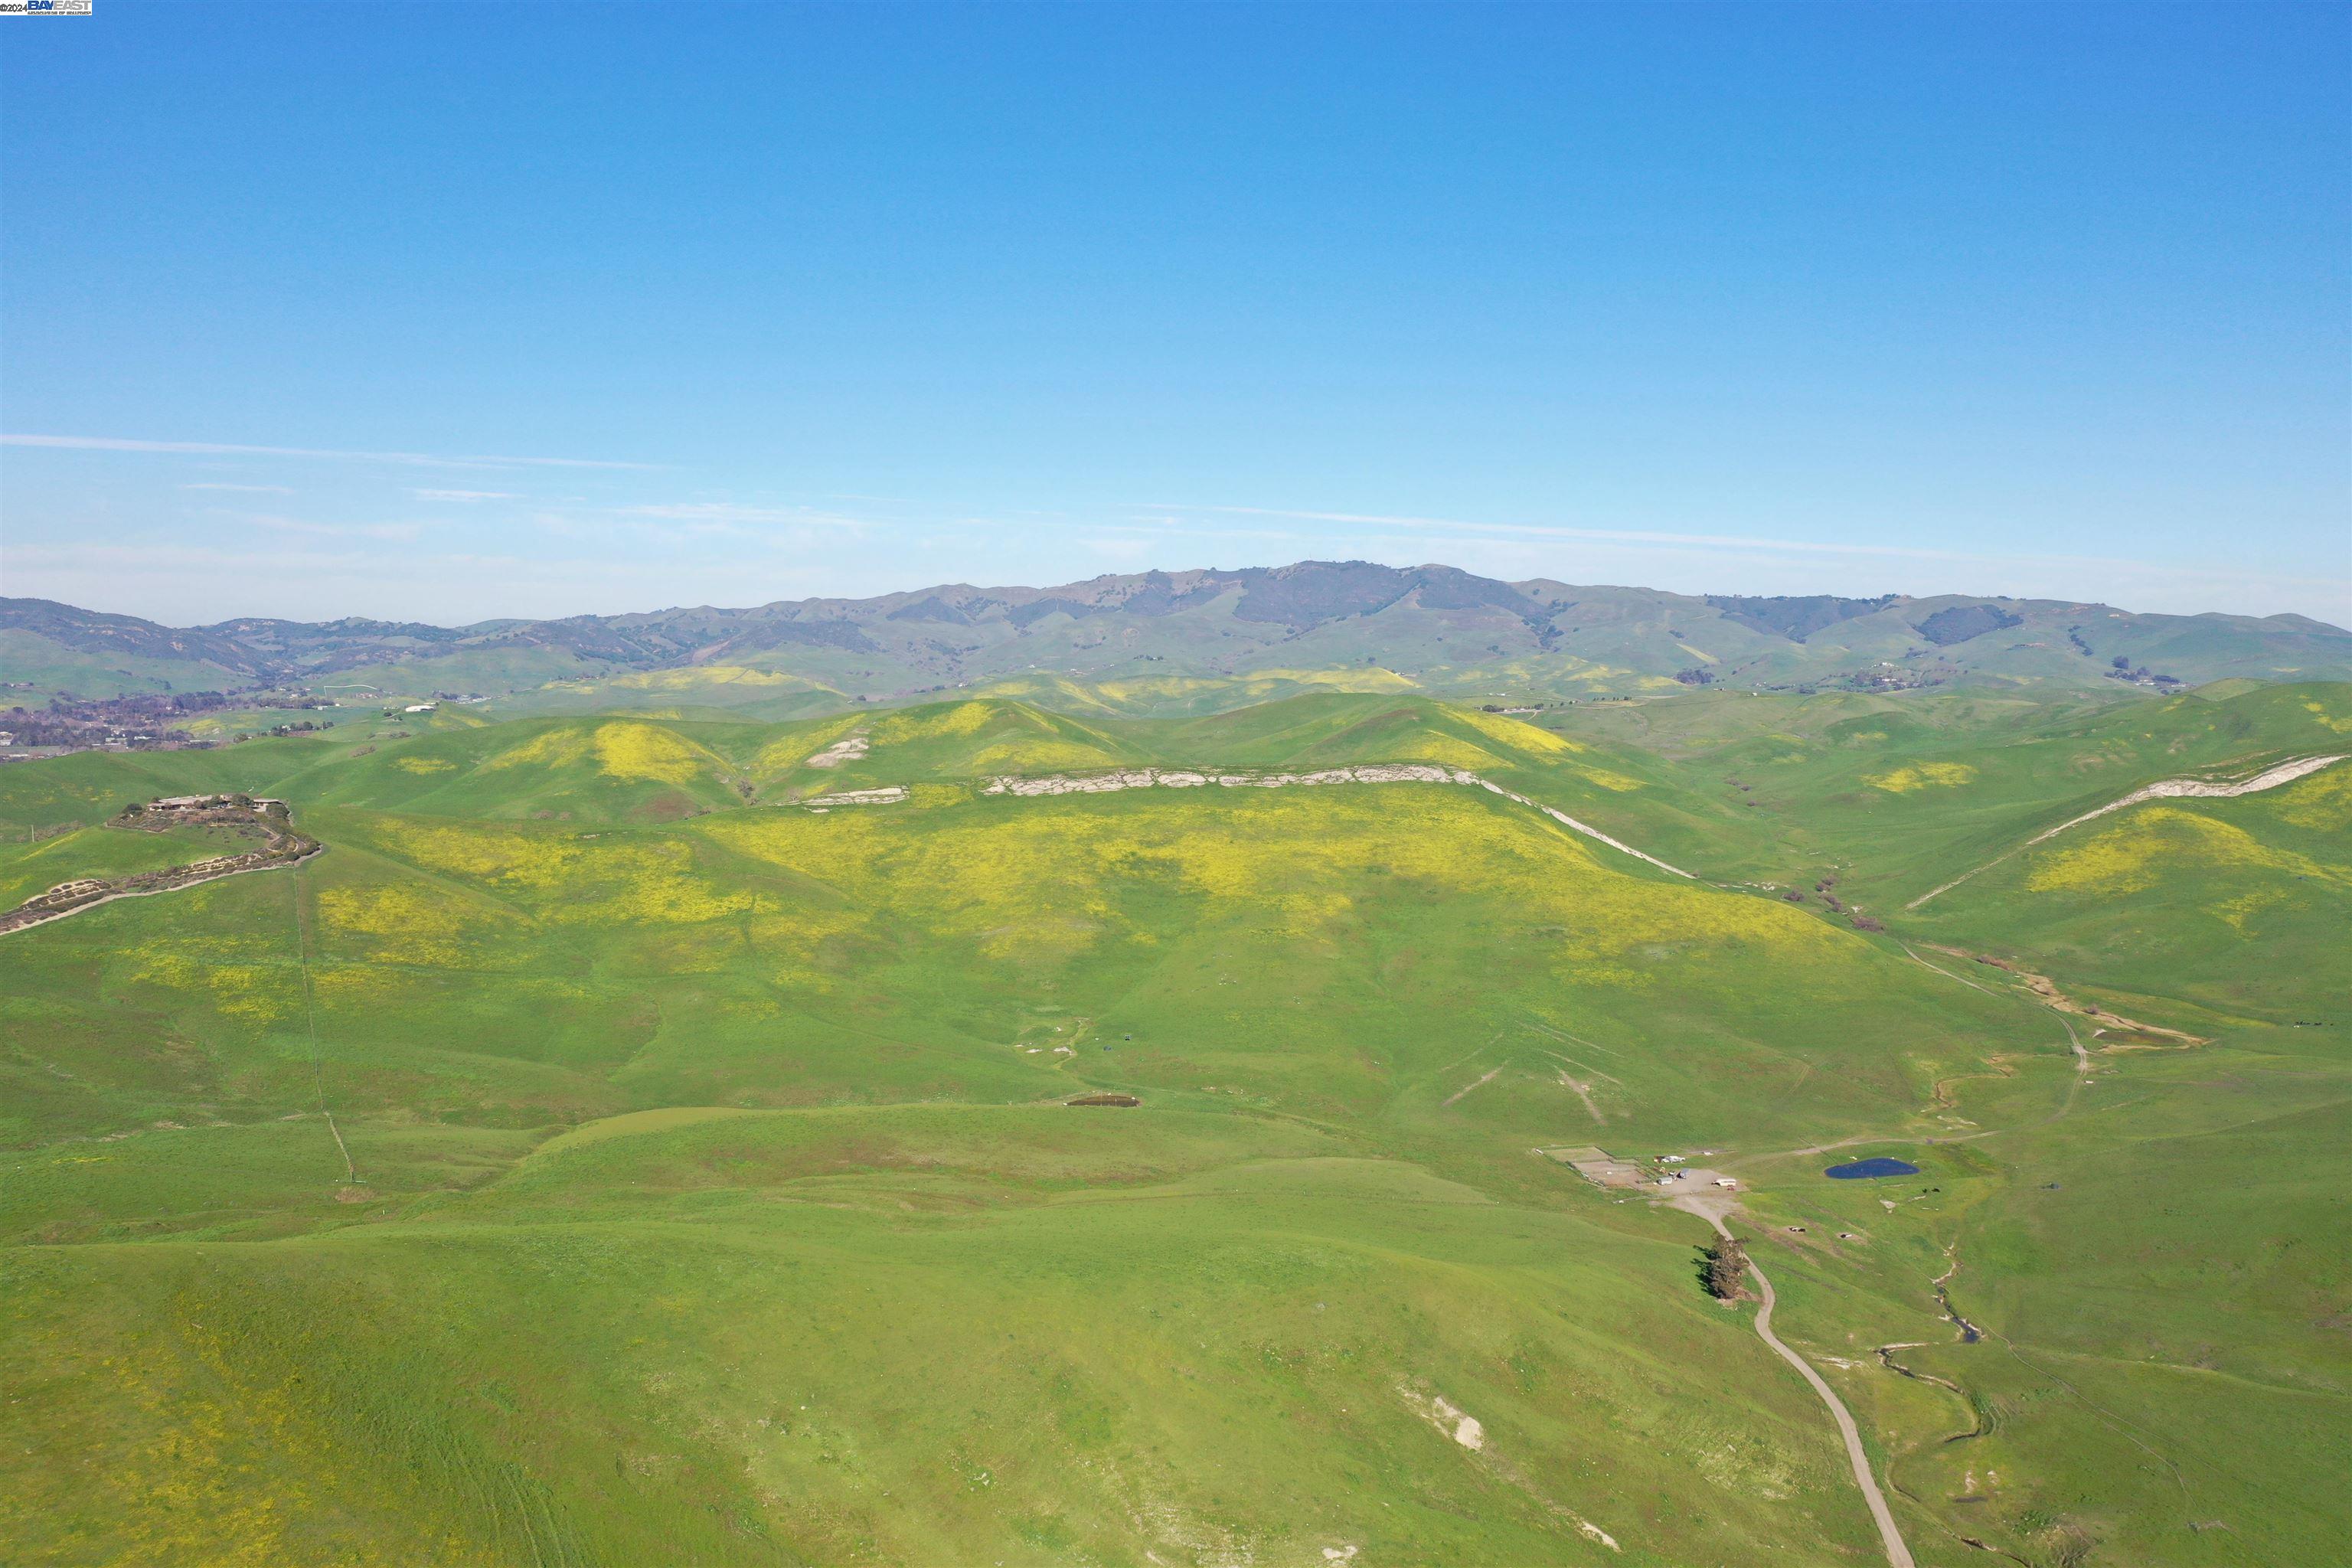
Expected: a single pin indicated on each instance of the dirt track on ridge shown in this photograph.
(1370, 772)
(42, 917)
(2163, 789)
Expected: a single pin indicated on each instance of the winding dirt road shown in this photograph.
(1898, 1555)
(17, 919)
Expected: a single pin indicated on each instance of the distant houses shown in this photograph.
(176, 804)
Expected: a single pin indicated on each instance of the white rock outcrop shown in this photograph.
(889, 794)
(1374, 773)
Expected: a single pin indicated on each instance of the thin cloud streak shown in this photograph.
(396, 532)
(219, 448)
(724, 512)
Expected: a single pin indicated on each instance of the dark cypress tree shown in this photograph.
(1727, 1269)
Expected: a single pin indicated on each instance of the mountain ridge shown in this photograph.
(1447, 627)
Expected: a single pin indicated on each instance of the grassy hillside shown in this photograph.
(39, 664)
(2240, 905)
(602, 1156)
(1895, 795)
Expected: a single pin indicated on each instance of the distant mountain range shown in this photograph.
(1444, 629)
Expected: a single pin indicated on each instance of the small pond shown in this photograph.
(1876, 1166)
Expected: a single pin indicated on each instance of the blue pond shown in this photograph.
(1877, 1165)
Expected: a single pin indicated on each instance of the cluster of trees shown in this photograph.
(2120, 669)
(1725, 1270)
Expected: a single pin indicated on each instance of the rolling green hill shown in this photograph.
(624, 1144)
(1895, 795)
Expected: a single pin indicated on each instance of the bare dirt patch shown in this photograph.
(1597, 1166)
(2149, 1035)
(841, 751)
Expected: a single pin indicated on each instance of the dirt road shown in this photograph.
(16, 919)
(1898, 1555)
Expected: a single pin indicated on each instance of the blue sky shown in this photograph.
(449, 311)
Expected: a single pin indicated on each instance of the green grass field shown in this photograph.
(618, 1149)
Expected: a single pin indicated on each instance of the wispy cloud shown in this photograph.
(465, 496)
(392, 533)
(728, 512)
(219, 448)
(246, 489)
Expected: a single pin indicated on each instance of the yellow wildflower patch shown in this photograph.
(1042, 754)
(1921, 776)
(554, 749)
(703, 675)
(259, 993)
(1370, 679)
(1518, 734)
(2240, 910)
(424, 926)
(1621, 783)
(2321, 801)
(630, 876)
(941, 723)
(2156, 840)
(1028, 875)
(629, 750)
